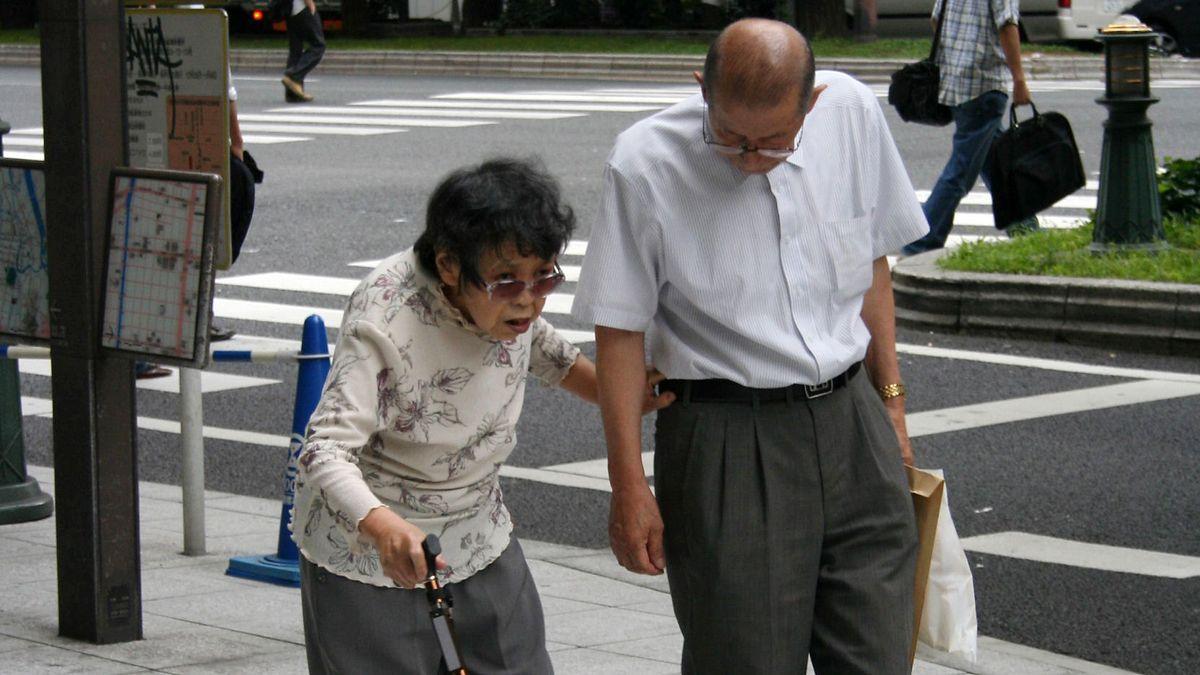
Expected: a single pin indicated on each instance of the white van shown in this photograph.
(1041, 20)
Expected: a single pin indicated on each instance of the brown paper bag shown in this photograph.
(926, 489)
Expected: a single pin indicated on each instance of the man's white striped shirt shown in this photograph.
(758, 279)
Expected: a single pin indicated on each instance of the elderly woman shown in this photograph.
(418, 414)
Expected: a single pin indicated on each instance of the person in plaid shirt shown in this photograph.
(980, 52)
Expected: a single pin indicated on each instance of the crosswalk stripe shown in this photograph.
(1026, 546)
(975, 219)
(1075, 201)
(377, 121)
(570, 271)
(19, 154)
(1045, 405)
(514, 105)
(319, 130)
(44, 408)
(33, 142)
(1045, 364)
(288, 281)
(560, 97)
(984, 414)
(269, 312)
(430, 112)
(258, 139)
(210, 380)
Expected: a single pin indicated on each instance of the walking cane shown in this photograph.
(441, 609)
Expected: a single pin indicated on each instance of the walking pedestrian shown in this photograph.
(979, 56)
(418, 414)
(306, 47)
(745, 230)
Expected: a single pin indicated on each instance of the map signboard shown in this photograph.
(177, 94)
(159, 276)
(25, 288)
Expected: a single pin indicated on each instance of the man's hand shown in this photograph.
(635, 530)
(1021, 95)
(311, 5)
(654, 401)
(399, 544)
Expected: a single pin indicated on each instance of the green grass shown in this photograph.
(605, 44)
(1064, 253)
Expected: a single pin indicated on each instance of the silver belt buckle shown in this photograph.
(812, 391)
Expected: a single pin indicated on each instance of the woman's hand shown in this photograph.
(399, 544)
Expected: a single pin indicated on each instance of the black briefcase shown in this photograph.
(1032, 165)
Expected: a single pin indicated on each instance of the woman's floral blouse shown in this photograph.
(419, 411)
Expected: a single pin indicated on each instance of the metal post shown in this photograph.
(95, 457)
(1128, 212)
(191, 423)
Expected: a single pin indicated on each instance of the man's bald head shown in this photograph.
(756, 62)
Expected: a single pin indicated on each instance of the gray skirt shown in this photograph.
(356, 628)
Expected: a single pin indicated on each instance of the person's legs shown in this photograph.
(863, 617)
(738, 487)
(975, 125)
(310, 32)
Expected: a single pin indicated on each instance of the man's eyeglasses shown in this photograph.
(507, 290)
(746, 148)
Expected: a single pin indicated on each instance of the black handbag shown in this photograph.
(243, 174)
(1032, 165)
(914, 88)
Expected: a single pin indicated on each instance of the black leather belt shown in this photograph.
(724, 390)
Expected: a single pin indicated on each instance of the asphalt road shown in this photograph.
(1123, 476)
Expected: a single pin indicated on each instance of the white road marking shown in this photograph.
(427, 112)
(210, 381)
(45, 409)
(320, 130)
(979, 218)
(377, 121)
(1045, 405)
(556, 478)
(1046, 364)
(32, 142)
(563, 97)
(1075, 201)
(289, 281)
(1044, 549)
(19, 154)
(269, 312)
(258, 139)
(556, 303)
(516, 105)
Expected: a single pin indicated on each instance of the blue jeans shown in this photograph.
(976, 124)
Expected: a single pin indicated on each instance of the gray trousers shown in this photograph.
(353, 628)
(304, 29)
(789, 533)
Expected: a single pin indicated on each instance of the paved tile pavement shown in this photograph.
(599, 618)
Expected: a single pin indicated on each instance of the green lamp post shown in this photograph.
(1128, 214)
(21, 500)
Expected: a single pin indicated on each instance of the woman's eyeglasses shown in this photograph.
(507, 290)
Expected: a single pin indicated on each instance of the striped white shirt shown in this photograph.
(758, 279)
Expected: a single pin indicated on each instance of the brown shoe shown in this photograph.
(148, 371)
(294, 98)
(293, 86)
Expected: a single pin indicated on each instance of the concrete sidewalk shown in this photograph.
(599, 618)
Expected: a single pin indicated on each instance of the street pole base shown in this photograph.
(24, 502)
(1104, 248)
(269, 568)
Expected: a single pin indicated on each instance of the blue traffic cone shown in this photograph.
(284, 566)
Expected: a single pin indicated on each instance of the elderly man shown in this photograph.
(745, 230)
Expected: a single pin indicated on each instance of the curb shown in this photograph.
(628, 67)
(1135, 315)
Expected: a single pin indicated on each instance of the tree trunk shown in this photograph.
(820, 18)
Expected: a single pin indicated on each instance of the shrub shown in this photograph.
(1179, 187)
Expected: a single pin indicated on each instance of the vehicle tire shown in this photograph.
(1167, 43)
